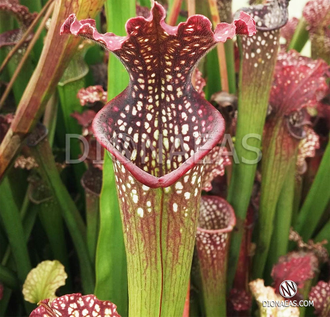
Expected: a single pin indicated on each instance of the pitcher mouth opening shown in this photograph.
(158, 161)
(216, 217)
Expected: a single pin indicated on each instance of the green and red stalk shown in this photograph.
(111, 263)
(158, 178)
(174, 12)
(220, 47)
(55, 56)
(298, 83)
(216, 221)
(258, 57)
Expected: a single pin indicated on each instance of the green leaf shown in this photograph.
(252, 100)
(316, 201)
(282, 220)
(110, 260)
(43, 281)
(14, 229)
(68, 87)
(300, 36)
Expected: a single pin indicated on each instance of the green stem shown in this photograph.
(8, 277)
(225, 14)
(34, 6)
(28, 220)
(71, 82)
(305, 294)
(110, 265)
(145, 3)
(26, 225)
(159, 244)
(282, 221)
(50, 118)
(316, 200)
(175, 7)
(93, 223)
(48, 169)
(5, 301)
(25, 74)
(324, 234)
(276, 163)
(14, 228)
(254, 90)
(212, 74)
(51, 219)
(300, 36)
(3, 242)
(230, 60)
(194, 308)
(297, 200)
